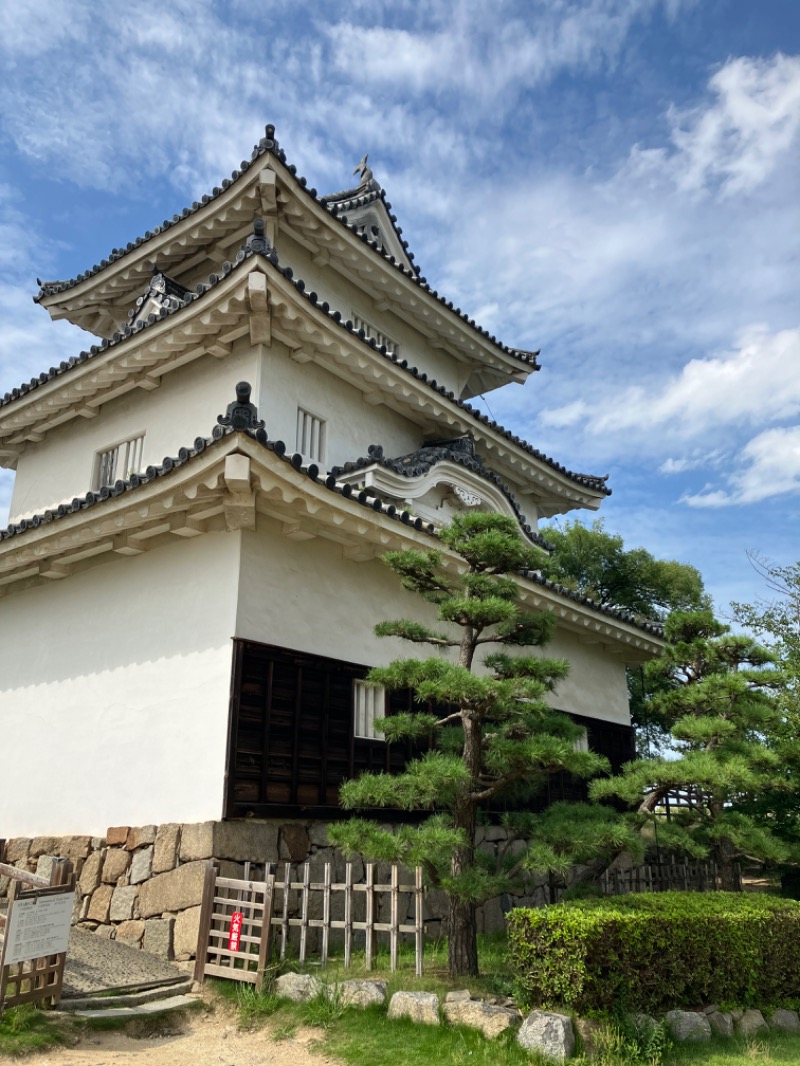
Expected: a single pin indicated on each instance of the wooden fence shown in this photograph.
(665, 877)
(37, 979)
(238, 917)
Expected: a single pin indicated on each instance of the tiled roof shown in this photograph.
(366, 499)
(418, 463)
(268, 144)
(257, 244)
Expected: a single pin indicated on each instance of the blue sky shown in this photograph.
(616, 182)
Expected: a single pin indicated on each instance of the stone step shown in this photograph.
(75, 1004)
(144, 1010)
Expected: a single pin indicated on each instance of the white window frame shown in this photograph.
(118, 461)
(370, 330)
(369, 703)
(312, 435)
(582, 742)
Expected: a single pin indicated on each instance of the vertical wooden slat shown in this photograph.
(326, 913)
(394, 917)
(287, 880)
(304, 913)
(298, 711)
(266, 931)
(206, 911)
(348, 914)
(370, 916)
(267, 729)
(418, 915)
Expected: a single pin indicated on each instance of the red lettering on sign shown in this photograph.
(235, 931)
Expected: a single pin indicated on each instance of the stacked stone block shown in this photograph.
(143, 884)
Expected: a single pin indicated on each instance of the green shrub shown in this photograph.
(654, 952)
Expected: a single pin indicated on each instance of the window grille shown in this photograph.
(369, 703)
(381, 338)
(119, 462)
(311, 434)
(582, 742)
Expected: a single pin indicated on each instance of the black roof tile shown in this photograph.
(268, 144)
(370, 500)
(257, 244)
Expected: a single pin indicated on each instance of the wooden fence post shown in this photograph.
(206, 910)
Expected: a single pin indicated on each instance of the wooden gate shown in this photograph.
(38, 979)
(235, 923)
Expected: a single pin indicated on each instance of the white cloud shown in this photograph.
(757, 381)
(743, 136)
(769, 466)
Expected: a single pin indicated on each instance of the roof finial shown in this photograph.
(364, 171)
(241, 414)
(258, 241)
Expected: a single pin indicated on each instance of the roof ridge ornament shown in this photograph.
(258, 241)
(365, 171)
(241, 414)
(267, 142)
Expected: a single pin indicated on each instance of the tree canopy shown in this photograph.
(487, 727)
(722, 712)
(596, 564)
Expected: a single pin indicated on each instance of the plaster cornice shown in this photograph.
(230, 305)
(219, 216)
(223, 483)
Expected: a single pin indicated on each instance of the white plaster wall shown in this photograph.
(352, 424)
(114, 691)
(185, 406)
(348, 295)
(305, 595)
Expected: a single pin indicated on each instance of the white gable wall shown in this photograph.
(351, 423)
(306, 596)
(183, 407)
(116, 694)
(348, 296)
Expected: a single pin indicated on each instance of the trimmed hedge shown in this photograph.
(654, 952)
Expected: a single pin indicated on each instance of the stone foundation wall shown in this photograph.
(143, 884)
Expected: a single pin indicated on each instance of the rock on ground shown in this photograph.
(299, 987)
(687, 1025)
(752, 1021)
(479, 1015)
(787, 1020)
(360, 993)
(548, 1033)
(418, 1006)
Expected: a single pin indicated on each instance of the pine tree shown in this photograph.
(498, 738)
(720, 703)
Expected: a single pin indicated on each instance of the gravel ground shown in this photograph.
(198, 1039)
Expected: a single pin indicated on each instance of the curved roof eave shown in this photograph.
(368, 500)
(594, 483)
(268, 145)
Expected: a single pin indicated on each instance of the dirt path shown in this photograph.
(200, 1039)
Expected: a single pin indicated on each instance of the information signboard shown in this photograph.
(38, 926)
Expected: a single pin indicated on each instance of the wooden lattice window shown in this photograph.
(118, 462)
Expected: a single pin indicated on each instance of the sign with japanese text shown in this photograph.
(235, 933)
(38, 926)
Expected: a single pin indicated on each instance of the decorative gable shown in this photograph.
(438, 480)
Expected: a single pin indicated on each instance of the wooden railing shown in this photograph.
(238, 917)
(37, 979)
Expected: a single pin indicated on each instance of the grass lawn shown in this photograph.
(369, 1038)
(25, 1029)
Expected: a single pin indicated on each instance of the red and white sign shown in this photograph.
(235, 933)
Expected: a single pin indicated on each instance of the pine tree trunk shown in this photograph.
(725, 858)
(462, 944)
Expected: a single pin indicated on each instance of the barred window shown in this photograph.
(311, 436)
(369, 703)
(381, 338)
(118, 463)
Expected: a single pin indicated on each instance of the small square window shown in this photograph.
(118, 463)
(311, 436)
(369, 703)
